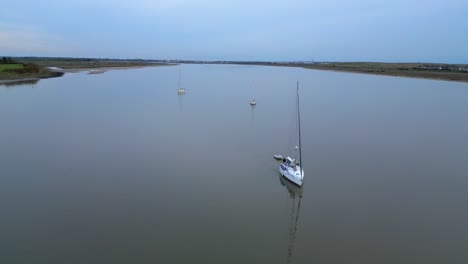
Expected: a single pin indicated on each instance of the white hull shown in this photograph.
(295, 176)
(278, 157)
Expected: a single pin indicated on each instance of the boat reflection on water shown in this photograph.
(295, 197)
(252, 116)
(180, 100)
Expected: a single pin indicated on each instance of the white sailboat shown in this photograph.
(180, 89)
(253, 102)
(290, 168)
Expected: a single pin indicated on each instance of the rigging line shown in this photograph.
(299, 126)
(300, 146)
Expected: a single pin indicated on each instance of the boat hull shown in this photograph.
(291, 175)
(278, 157)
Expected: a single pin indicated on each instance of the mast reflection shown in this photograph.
(295, 197)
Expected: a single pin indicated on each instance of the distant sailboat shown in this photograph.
(180, 89)
(253, 102)
(290, 168)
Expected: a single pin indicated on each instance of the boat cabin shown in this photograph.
(290, 162)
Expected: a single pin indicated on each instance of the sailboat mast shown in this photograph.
(179, 80)
(299, 127)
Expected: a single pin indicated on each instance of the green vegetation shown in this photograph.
(22, 68)
(7, 60)
(6, 67)
(36, 67)
(448, 72)
(437, 71)
(89, 63)
(13, 70)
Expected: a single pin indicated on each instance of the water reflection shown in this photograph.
(82, 165)
(20, 83)
(180, 100)
(252, 113)
(295, 196)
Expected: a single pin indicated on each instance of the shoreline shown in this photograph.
(55, 71)
(98, 70)
(32, 77)
(450, 77)
(394, 74)
(57, 67)
(407, 70)
(18, 81)
(383, 69)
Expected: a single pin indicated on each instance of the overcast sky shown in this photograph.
(321, 30)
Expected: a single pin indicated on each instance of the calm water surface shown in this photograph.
(116, 168)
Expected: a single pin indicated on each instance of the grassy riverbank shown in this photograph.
(30, 68)
(7, 67)
(25, 71)
(436, 71)
(448, 72)
(89, 63)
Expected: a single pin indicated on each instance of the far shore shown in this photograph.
(433, 75)
(57, 67)
(97, 70)
(433, 71)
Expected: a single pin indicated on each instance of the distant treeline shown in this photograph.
(8, 60)
(77, 59)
